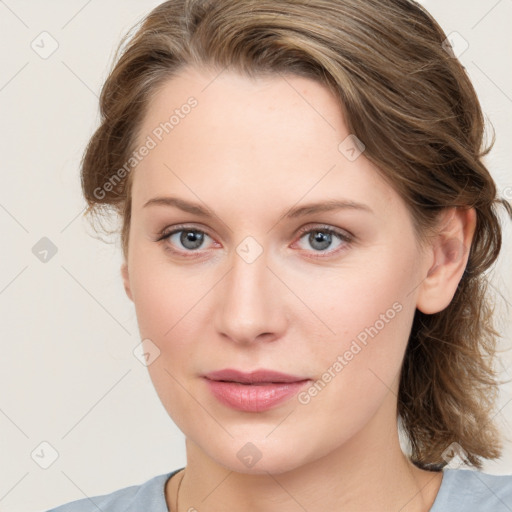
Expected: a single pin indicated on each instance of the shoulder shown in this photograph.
(148, 496)
(474, 491)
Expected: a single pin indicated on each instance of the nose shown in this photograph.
(249, 301)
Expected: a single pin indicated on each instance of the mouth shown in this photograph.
(255, 391)
(249, 383)
(255, 377)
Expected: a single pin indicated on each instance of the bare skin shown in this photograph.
(251, 150)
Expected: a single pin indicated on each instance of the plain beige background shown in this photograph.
(68, 376)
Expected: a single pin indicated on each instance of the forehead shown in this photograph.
(266, 139)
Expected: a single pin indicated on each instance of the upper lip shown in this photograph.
(262, 375)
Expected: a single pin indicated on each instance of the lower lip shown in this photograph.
(254, 397)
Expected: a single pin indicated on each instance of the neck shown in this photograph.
(370, 472)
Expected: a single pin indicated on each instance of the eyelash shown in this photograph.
(346, 238)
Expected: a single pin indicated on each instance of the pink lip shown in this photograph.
(266, 376)
(256, 391)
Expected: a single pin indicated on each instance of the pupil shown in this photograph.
(191, 239)
(323, 238)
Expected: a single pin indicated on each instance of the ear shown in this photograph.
(450, 251)
(126, 280)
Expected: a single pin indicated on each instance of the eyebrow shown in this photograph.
(297, 211)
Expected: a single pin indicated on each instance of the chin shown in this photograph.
(257, 455)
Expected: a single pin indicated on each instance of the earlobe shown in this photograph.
(126, 280)
(450, 249)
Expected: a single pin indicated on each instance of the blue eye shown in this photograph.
(321, 238)
(192, 239)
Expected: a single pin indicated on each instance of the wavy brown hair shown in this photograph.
(405, 95)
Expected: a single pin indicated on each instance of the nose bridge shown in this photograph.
(247, 301)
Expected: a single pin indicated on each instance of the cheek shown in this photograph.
(358, 371)
(163, 294)
(365, 298)
(168, 303)
(369, 312)
(166, 315)
(156, 310)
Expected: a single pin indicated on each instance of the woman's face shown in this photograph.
(266, 281)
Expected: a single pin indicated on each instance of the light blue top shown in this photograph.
(462, 490)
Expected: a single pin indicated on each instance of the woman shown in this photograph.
(255, 149)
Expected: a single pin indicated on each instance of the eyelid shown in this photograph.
(168, 232)
(345, 236)
(343, 233)
(309, 227)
